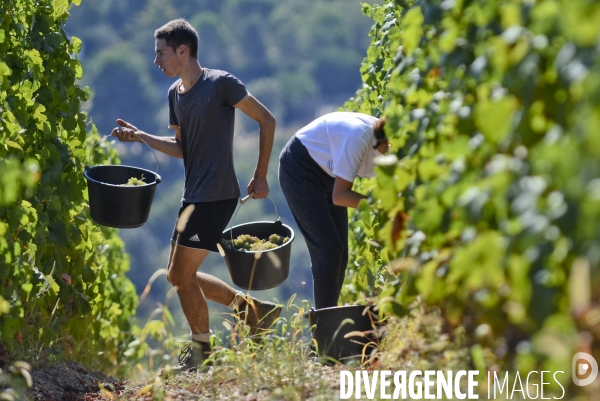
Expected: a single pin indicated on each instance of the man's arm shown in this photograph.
(266, 122)
(171, 146)
(343, 195)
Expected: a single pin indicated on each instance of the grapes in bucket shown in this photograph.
(257, 254)
(120, 196)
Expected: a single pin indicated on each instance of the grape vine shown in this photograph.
(63, 289)
(489, 206)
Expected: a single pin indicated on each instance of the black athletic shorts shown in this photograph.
(205, 227)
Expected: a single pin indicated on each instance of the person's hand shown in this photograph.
(126, 132)
(259, 186)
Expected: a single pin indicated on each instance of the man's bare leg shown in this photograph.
(214, 289)
(184, 263)
(193, 293)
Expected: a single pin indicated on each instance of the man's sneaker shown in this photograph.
(258, 315)
(191, 358)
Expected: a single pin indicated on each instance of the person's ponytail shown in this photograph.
(379, 132)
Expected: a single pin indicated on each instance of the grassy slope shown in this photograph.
(280, 367)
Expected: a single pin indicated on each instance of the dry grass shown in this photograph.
(278, 365)
(274, 365)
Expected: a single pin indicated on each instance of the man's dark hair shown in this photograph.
(179, 32)
(379, 132)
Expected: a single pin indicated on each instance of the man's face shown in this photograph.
(166, 59)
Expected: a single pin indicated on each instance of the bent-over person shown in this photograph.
(317, 169)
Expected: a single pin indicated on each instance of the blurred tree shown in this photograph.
(118, 75)
(309, 44)
(214, 38)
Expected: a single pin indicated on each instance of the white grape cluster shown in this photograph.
(246, 242)
(134, 182)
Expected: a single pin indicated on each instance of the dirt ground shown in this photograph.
(70, 381)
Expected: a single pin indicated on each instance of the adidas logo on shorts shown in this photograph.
(195, 238)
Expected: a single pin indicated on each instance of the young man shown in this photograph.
(202, 105)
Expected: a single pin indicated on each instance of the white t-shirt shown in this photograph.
(342, 144)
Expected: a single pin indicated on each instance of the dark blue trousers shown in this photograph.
(308, 191)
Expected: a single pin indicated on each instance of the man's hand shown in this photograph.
(259, 186)
(126, 132)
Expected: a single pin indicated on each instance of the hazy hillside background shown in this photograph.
(300, 58)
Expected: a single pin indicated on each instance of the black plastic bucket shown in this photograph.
(273, 266)
(331, 325)
(258, 270)
(114, 205)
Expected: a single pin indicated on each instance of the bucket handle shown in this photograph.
(157, 177)
(246, 199)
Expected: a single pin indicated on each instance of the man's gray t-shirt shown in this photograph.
(205, 116)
